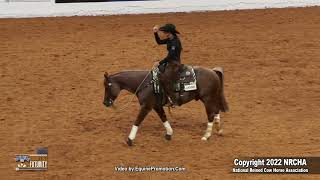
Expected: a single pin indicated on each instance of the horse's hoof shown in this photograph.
(130, 142)
(204, 139)
(168, 137)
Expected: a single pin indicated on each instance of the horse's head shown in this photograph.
(111, 91)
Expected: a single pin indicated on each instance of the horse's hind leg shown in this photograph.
(166, 124)
(142, 114)
(217, 124)
(213, 118)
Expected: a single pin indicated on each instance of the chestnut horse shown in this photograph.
(209, 91)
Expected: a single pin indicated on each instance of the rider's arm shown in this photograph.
(159, 41)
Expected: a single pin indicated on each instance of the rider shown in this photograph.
(170, 65)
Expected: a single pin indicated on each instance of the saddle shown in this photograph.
(187, 80)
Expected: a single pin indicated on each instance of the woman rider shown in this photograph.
(170, 65)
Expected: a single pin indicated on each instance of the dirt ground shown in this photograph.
(51, 75)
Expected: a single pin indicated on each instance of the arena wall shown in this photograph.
(45, 9)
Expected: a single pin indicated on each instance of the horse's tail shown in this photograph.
(223, 102)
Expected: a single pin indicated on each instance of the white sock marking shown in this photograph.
(168, 127)
(217, 124)
(217, 116)
(133, 132)
(208, 131)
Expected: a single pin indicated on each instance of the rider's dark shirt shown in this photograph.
(173, 46)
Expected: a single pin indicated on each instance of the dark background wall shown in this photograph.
(75, 1)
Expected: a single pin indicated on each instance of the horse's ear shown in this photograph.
(106, 75)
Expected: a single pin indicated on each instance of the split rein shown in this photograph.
(135, 93)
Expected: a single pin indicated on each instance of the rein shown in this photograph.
(135, 93)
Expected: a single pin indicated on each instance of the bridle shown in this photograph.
(109, 99)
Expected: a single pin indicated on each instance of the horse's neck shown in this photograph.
(129, 80)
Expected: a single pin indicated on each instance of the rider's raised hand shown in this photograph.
(156, 28)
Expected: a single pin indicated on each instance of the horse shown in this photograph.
(209, 90)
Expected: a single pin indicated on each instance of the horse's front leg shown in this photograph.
(144, 110)
(166, 124)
